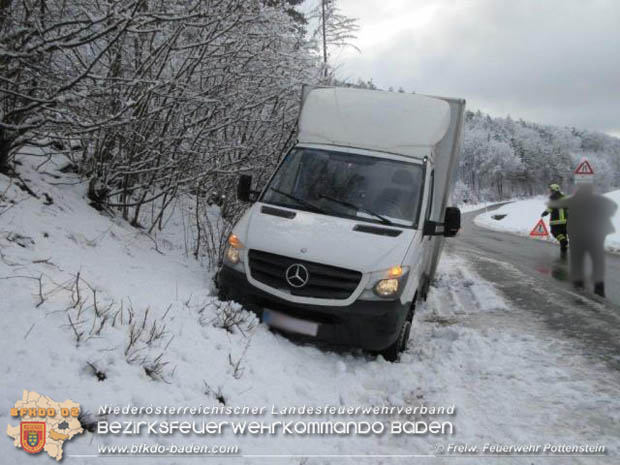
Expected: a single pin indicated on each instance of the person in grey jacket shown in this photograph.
(590, 222)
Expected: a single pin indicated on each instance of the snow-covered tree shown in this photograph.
(167, 99)
(48, 48)
(335, 30)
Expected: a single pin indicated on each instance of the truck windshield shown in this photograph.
(365, 188)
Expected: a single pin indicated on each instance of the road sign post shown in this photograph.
(584, 172)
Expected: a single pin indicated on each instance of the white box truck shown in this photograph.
(347, 233)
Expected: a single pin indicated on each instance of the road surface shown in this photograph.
(531, 275)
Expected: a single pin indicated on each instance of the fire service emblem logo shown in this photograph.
(32, 435)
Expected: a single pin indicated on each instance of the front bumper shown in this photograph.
(371, 325)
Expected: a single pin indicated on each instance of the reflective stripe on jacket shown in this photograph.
(558, 215)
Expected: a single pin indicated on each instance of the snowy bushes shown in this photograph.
(232, 317)
(160, 98)
(90, 316)
(190, 98)
(48, 49)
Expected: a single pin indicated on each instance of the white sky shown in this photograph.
(549, 61)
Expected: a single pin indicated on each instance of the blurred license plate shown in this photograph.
(288, 323)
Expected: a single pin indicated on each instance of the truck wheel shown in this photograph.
(221, 296)
(221, 293)
(392, 353)
(424, 287)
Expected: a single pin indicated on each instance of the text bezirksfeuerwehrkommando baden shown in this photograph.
(283, 427)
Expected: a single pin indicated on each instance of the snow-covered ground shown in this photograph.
(510, 382)
(520, 217)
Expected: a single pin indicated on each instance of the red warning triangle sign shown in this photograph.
(584, 168)
(540, 230)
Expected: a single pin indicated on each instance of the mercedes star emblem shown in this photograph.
(297, 275)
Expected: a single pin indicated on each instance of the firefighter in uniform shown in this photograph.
(558, 219)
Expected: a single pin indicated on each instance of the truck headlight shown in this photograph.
(385, 284)
(386, 287)
(233, 255)
(233, 252)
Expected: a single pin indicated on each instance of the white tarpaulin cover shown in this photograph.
(369, 119)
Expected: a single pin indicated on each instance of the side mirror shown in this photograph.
(452, 221)
(432, 228)
(450, 226)
(244, 188)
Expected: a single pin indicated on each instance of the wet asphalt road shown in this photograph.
(531, 275)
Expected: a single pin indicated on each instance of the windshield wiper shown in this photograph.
(305, 203)
(383, 219)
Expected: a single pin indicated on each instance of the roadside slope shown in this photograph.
(157, 337)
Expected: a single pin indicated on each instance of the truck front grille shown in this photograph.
(324, 281)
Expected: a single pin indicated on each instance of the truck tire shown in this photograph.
(220, 291)
(392, 353)
(222, 296)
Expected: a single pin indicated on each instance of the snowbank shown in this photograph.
(521, 216)
(470, 207)
(157, 337)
